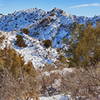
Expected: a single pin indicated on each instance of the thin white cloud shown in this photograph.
(86, 5)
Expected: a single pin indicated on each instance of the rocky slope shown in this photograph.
(53, 25)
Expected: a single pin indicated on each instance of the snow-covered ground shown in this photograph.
(61, 72)
(34, 52)
(53, 25)
(56, 97)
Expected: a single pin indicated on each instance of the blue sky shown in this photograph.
(77, 7)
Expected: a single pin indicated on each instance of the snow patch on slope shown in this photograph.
(56, 97)
(34, 52)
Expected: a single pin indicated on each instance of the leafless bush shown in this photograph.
(82, 83)
(48, 85)
(13, 89)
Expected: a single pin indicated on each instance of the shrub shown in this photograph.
(47, 43)
(62, 59)
(1, 39)
(17, 78)
(47, 82)
(20, 41)
(86, 50)
(65, 40)
(25, 30)
(83, 84)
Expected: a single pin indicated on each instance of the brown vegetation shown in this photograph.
(47, 43)
(1, 39)
(83, 84)
(85, 81)
(20, 41)
(16, 78)
(25, 30)
(86, 51)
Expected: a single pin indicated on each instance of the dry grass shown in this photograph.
(17, 80)
(1, 39)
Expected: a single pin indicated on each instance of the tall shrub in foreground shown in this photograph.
(18, 80)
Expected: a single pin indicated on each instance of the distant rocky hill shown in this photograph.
(54, 25)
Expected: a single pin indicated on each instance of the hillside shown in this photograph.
(37, 48)
(55, 25)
